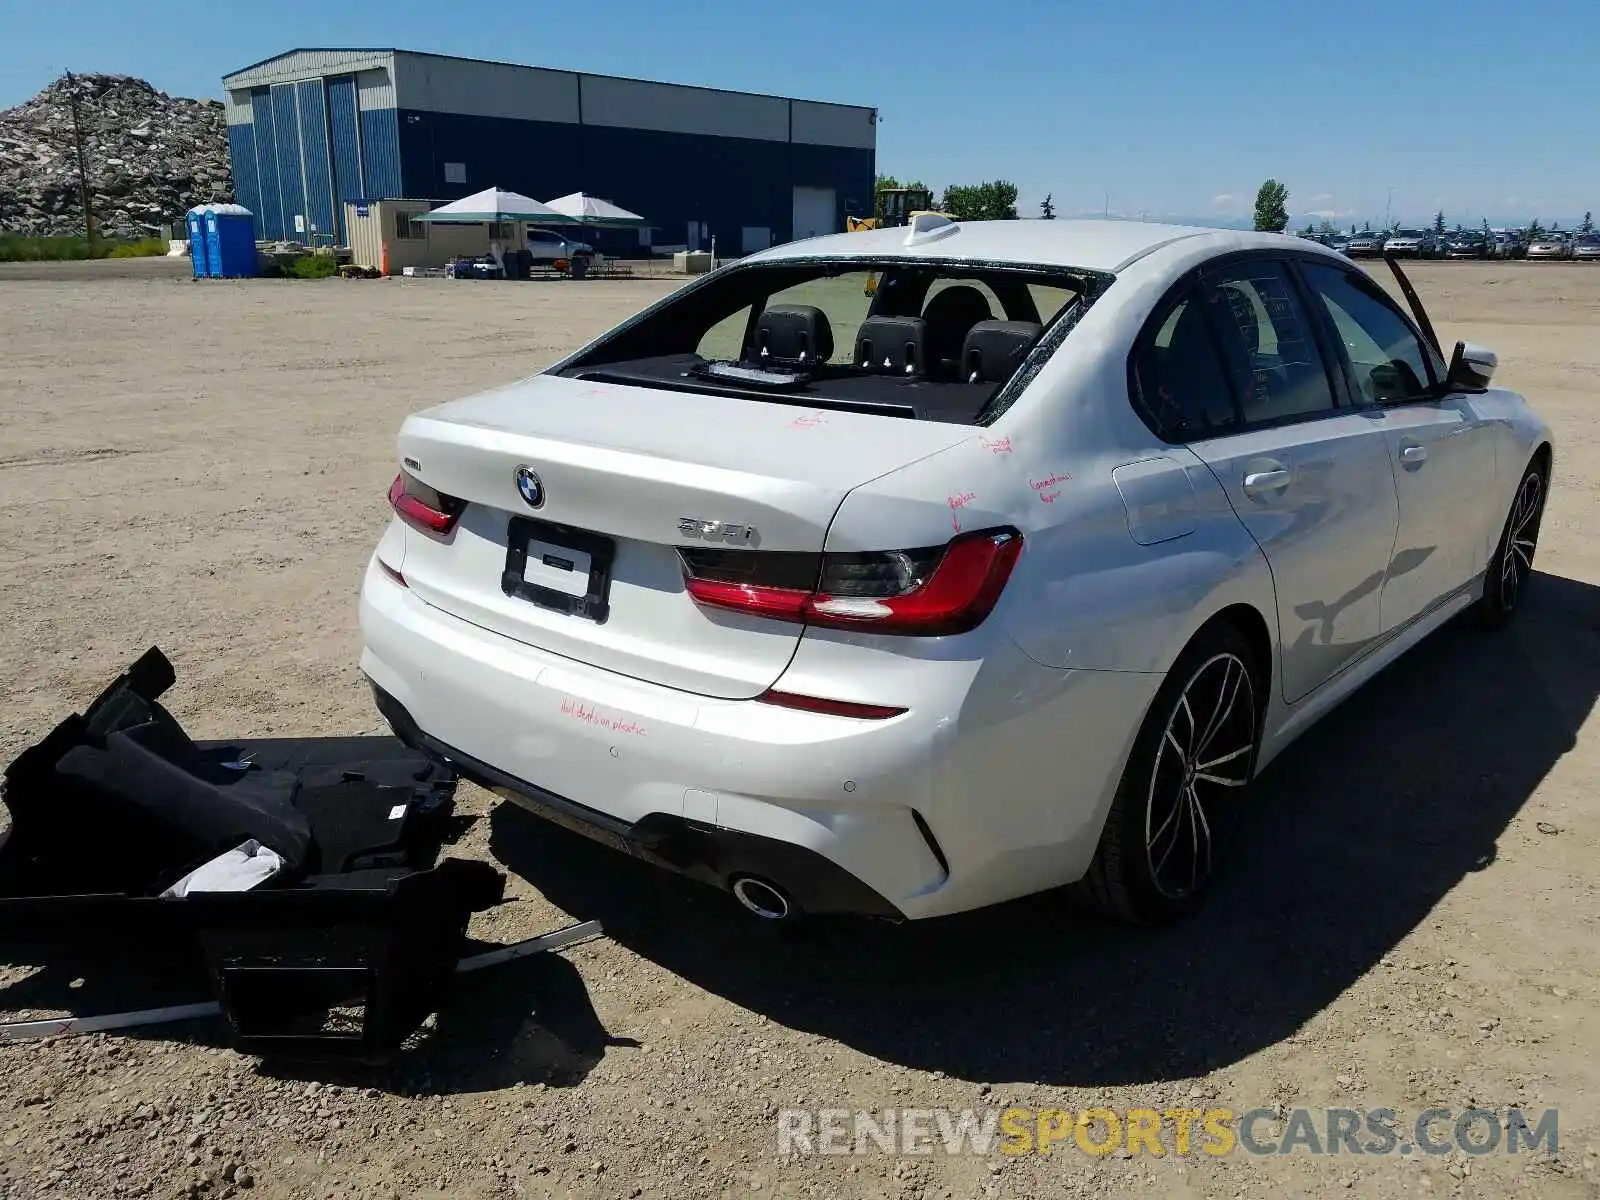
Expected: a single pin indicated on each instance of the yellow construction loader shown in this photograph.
(894, 207)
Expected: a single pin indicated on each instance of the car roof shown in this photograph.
(1089, 245)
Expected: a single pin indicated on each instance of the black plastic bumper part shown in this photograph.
(343, 953)
(712, 855)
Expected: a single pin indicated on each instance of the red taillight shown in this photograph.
(833, 708)
(423, 508)
(926, 592)
(786, 604)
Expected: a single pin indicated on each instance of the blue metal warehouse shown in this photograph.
(310, 129)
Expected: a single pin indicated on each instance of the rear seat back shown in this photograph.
(994, 349)
(794, 334)
(892, 345)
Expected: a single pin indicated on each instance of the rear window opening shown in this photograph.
(924, 340)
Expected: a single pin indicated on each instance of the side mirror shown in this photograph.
(1471, 368)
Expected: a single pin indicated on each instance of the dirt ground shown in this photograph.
(1411, 921)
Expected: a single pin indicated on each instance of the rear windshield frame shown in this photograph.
(1086, 285)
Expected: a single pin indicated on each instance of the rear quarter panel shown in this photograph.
(1129, 544)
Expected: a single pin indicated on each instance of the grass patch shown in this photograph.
(17, 248)
(143, 248)
(314, 266)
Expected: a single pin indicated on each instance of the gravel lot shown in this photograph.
(1411, 923)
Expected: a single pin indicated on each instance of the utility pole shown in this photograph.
(1388, 211)
(83, 174)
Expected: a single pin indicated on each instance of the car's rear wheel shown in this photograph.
(1511, 569)
(1173, 819)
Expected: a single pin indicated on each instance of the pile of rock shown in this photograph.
(149, 158)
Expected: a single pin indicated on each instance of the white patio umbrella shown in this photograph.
(590, 210)
(491, 204)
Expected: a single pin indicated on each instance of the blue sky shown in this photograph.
(1174, 108)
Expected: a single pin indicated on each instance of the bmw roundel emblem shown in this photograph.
(529, 486)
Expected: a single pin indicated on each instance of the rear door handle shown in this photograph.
(1413, 454)
(1257, 483)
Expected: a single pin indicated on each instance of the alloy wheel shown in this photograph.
(1204, 761)
(1522, 537)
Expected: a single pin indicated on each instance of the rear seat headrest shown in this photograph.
(793, 333)
(892, 345)
(994, 349)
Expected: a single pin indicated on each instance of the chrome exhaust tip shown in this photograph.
(766, 900)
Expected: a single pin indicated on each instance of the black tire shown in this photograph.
(1137, 874)
(1511, 569)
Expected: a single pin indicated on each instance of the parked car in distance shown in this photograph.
(1014, 574)
(1508, 243)
(545, 245)
(1550, 245)
(1587, 248)
(1365, 245)
(1468, 244)
(1412, 243)
(1338, 242)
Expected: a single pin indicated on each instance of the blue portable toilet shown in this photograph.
(230, 241)
(199, 253)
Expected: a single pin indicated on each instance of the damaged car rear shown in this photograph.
(858, 577)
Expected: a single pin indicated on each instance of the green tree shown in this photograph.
(993, 201)
(1588, 223)
(1534, 229)
(1366, 227)
(1438, 221)
(1047, 209)
(1272, 211)
(889, 181)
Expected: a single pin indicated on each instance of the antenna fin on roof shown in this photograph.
(929, 227)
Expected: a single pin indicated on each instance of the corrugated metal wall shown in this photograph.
(309, 64)
(312, 102)
(463, 87)
(380, 153)
(724, 183)
(266, 147)
(242, 153)
(345, 143)
(665, 108)
(303, 147)
(291, 176)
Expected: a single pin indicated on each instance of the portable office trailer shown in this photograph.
(384, 237)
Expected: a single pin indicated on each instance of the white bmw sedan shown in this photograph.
(908, 571)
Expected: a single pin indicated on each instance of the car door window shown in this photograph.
(1179, 385)
(1388, 359)
(1267, 344)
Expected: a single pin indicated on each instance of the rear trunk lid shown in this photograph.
(632, 473)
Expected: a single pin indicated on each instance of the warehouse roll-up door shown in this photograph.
(291, 178)
(345, 144)
(815, 212)
(312, 102)
(267, 164)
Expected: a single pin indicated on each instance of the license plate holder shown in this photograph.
(561, 548)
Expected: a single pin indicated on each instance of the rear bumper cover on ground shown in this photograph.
(707, 853)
